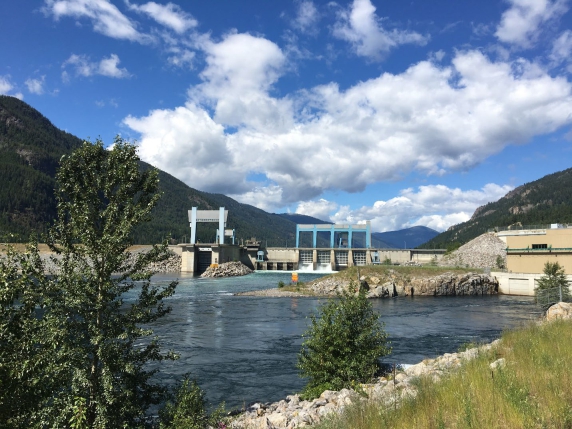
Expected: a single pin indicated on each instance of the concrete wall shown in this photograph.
(522, 284)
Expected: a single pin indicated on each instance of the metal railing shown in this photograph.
(527, 227)
(547, 297)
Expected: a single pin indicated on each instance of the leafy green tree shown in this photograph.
(188, 410)
(93, 315)
(343, 346)
(554, 277)
(29, 373)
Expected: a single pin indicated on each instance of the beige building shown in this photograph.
(529, 250)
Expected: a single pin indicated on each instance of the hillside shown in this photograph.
(30, 150)
(406, 238)
(545, 201)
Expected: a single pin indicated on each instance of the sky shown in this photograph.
(400, 113)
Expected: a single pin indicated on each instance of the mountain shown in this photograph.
(30, 150)
(545, 201)
(409, 238)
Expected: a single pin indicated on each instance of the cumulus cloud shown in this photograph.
(522, 23)
(321, 209)
(238, 78)
(85, 67)
(106, 18)
(434, 206)
(169, 15)
(361, 27)
(36, 86)
(307, 17)
(431, 118)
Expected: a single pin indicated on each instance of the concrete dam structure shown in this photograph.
(333, 248)
(198, 257)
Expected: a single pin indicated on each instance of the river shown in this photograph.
(243, 349)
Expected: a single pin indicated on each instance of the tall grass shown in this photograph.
(533, 389)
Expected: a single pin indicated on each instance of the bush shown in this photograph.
(281, 284)
(343, 346)
(188, 411)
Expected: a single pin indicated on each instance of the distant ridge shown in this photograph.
(303, 219)
(545, 201)
(409, 238)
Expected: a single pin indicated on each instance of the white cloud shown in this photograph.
(321, 209)
(431, 118)
(169, 15)
(239, 75)
(107, 19)
(181, 57)
(6, 87)
(108, 67)
(362, 28)
(85, 67)
(192, 146)
(562, 47)
(36, 86)
(307, 17)
(434, 206)
(522, 23)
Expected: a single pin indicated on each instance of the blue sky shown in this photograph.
(402, 113)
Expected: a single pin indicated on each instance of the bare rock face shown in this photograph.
(227, 269)
(447, 284)
(560, 310)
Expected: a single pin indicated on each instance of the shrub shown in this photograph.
(343, 345)
(281, 284)
(188, 411)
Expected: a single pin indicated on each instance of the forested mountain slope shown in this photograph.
(545, 201)
(30, 149)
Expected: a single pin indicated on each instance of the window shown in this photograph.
(540, 246)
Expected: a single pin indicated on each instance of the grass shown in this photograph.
(388, 271)
(533, 390)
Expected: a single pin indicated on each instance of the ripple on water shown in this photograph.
(244, 349)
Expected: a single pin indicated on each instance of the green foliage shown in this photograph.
(451, 247)
(500, 262)
(281, 284)
(342, 346)
(89, 347)
(554, 277)
(387, 261)
(188, 411)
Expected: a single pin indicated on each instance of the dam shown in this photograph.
(319, 248)
(198, 257)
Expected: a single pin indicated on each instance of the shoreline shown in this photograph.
(388, 391)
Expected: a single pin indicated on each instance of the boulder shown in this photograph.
(560, 310)
(227, 269)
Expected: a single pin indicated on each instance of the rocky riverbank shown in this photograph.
(293, 413)
(387, 392)
(227, 269)
(391, 283)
